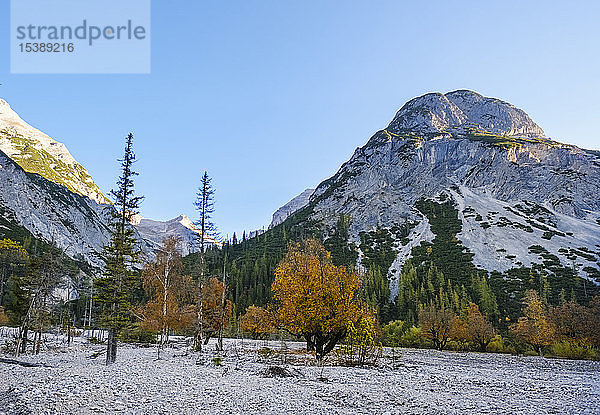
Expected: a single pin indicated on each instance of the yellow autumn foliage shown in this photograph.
(315, 298)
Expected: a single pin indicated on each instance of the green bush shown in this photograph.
(392, 333)
(500, 345)
(414, 338)
(569, 350)
(399, 334)
(137, 334)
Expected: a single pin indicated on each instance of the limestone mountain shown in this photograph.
(290, 207)
(31, 205)
(46, 194)
(37, 153)
(513, 197)
(181, 227)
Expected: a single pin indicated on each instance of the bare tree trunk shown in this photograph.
(200, 320)
(90, 313)
(35, 336)
(164, 332)
(39, 340)
(220, 341)
(2, 282)
(24, 339)
(23, 330)
(111, 346)
(85, 311)
(68, 331)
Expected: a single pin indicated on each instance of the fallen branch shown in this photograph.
(96, 354)
(24, 364)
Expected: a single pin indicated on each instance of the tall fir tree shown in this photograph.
(115, 288)
(205, 206)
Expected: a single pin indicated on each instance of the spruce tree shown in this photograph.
(205, 206)
(114, 289)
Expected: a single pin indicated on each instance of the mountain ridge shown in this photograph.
(36, 152)
(463, 109)
(515, 191)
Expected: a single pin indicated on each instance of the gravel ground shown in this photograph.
(416, 382)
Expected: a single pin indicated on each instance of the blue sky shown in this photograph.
(271, 97)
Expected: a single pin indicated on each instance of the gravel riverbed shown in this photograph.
(414, 382)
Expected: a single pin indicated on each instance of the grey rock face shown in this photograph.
(181, 227)
(75, 223)
(437, 113)
(290, 207)
(36, 152)
(49, 211)
(523, 191)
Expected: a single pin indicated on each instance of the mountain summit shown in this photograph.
(154, 232)
(474, 172)
(462, 110)
(37, 153)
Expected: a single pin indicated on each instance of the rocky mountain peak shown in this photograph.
(36, 152)
(461, 110)
(290, 207)
(186, 221)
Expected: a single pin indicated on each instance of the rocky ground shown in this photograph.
(248, 382)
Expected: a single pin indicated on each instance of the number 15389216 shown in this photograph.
(46, 47)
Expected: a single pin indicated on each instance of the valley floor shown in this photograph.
(416, 382)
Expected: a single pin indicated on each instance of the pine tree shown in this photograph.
(32, 295)
(205, 206)
(114, 288)
(12, 257)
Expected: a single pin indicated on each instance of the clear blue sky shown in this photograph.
(272, 96)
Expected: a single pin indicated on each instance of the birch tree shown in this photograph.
(168, 288)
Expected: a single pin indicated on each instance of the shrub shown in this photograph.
(391, 333)
(400, 334)
(95, 340)
(361, 345)
(266, 352)
(3, 317)
(570, 350)
(499, 345)
(137, 334)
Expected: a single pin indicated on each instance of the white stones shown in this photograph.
(422, 381)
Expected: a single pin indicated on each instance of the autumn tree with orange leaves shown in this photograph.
(535, 327)
(437, 324)
(315, 298)
(480, 330)
(258, 322)
(169, 291)
(215, 312)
